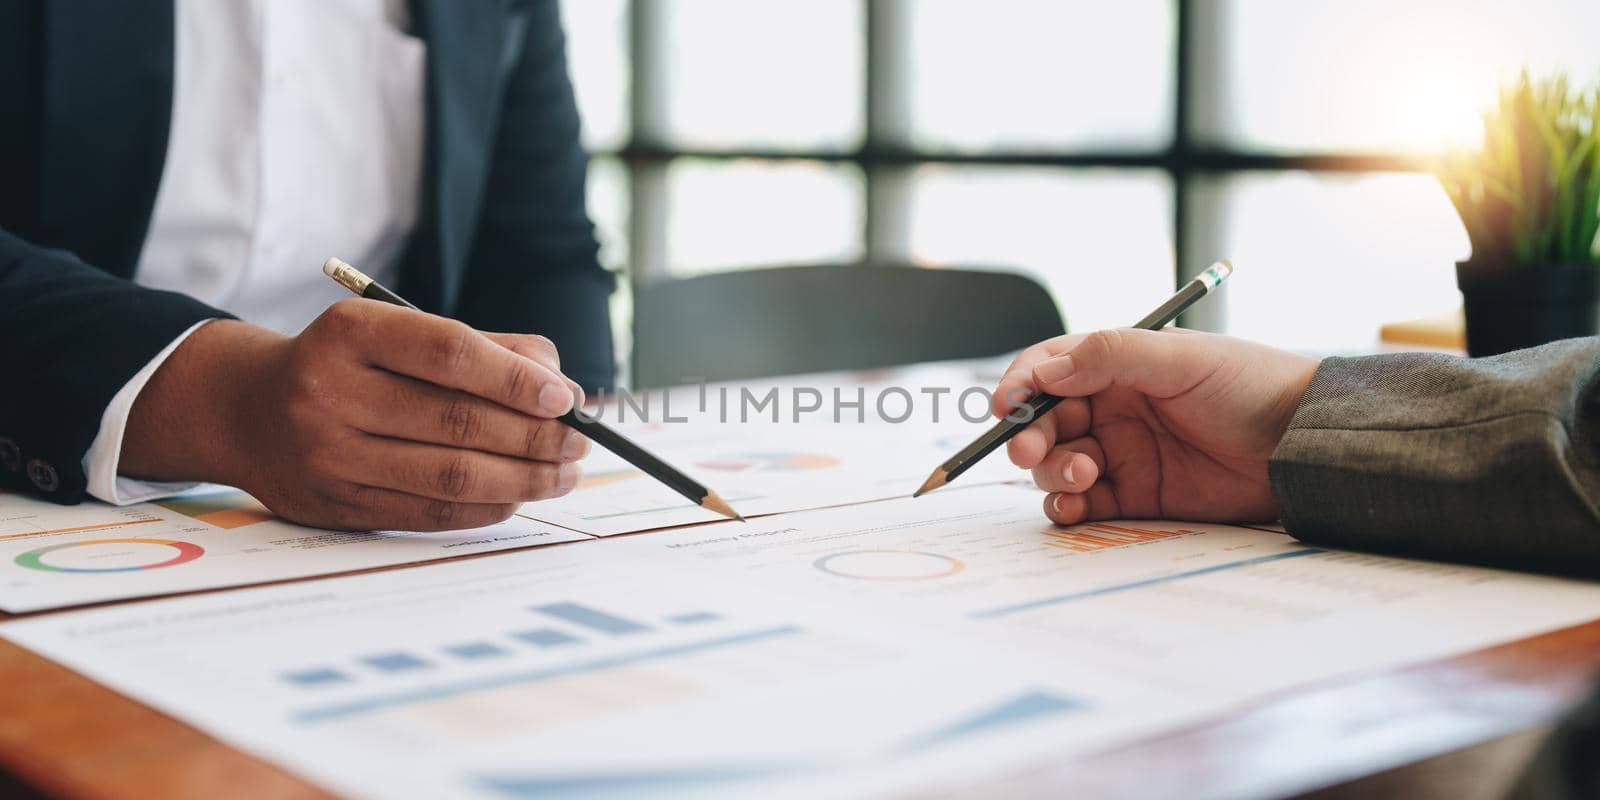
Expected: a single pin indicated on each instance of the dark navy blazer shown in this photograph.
(502, 239)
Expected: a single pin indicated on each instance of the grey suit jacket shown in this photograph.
(1493, 460)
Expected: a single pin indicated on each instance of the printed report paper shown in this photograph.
(53, 556)
(765, 470)
(887, 647)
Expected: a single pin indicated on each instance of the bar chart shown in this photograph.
(562, 628)
(226, 510)
(1102, 535)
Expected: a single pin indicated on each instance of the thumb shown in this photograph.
(1155, 363)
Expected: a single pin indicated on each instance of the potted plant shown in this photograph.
(1530, 200)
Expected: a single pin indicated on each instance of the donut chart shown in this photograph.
(112, 555)
(889, 565)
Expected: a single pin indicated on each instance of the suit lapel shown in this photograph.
(107, 106)
(466, 44)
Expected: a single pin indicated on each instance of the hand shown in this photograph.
(374, 417)
(1169, 424)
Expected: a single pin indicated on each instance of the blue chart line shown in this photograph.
(637, 784)
(439, 691)
(1026, 707)
(1123, 587)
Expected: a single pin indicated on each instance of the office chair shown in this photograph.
(791, 320)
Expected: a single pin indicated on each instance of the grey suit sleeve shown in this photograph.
(1494, 459)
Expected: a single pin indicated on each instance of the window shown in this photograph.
(1026, 74)
(1109, 149)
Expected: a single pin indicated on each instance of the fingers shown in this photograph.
(448, 353)
(1155, 363)
(1071, 467)
(1069, 420)
(451, 475)
(1031, 444)
(404, 408)
(1017, 384)
(529, 345)
(367, 508)
(1098, 502)
(540, 349)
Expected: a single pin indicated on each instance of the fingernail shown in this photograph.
(568, 477)
(575, 445)
(1054, 369)
(1055, 503)
(554, 400)
(1066, 472)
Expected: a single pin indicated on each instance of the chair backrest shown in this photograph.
(790, 320)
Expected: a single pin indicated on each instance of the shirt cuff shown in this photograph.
(100, 462)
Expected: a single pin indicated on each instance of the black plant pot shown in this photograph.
(1509, 309)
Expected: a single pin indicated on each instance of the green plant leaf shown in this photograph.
(1530, 193)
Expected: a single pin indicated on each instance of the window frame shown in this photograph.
(885, 161)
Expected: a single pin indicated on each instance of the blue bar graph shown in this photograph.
(473, 651)
(395, 662)
(439, 656)
(321, 676)
(442, 689)
(592, 619)
(546, 637)
(694, 618)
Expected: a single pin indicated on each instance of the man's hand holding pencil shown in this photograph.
(373, 417)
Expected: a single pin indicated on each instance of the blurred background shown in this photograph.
(1109, 149)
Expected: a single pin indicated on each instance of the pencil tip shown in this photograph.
(717, 504)
(934, 481)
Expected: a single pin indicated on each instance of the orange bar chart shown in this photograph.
(1102, 535)
(226, 510)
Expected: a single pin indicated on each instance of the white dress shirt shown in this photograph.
(296, 135)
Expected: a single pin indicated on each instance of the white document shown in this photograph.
(572, 672)
(1225, 608)
(890, 647)
(763, 469)
(53, 556)
(786, 444)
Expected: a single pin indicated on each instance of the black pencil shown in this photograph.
(354, 280)
(1041, 403)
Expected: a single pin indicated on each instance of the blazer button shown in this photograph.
(10, 455)
(43, 476)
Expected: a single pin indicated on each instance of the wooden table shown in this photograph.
(62, 734)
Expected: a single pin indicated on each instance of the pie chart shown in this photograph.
(889, 565)
(110, 555)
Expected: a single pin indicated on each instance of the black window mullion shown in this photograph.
(1181, 147)
(883, 153)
